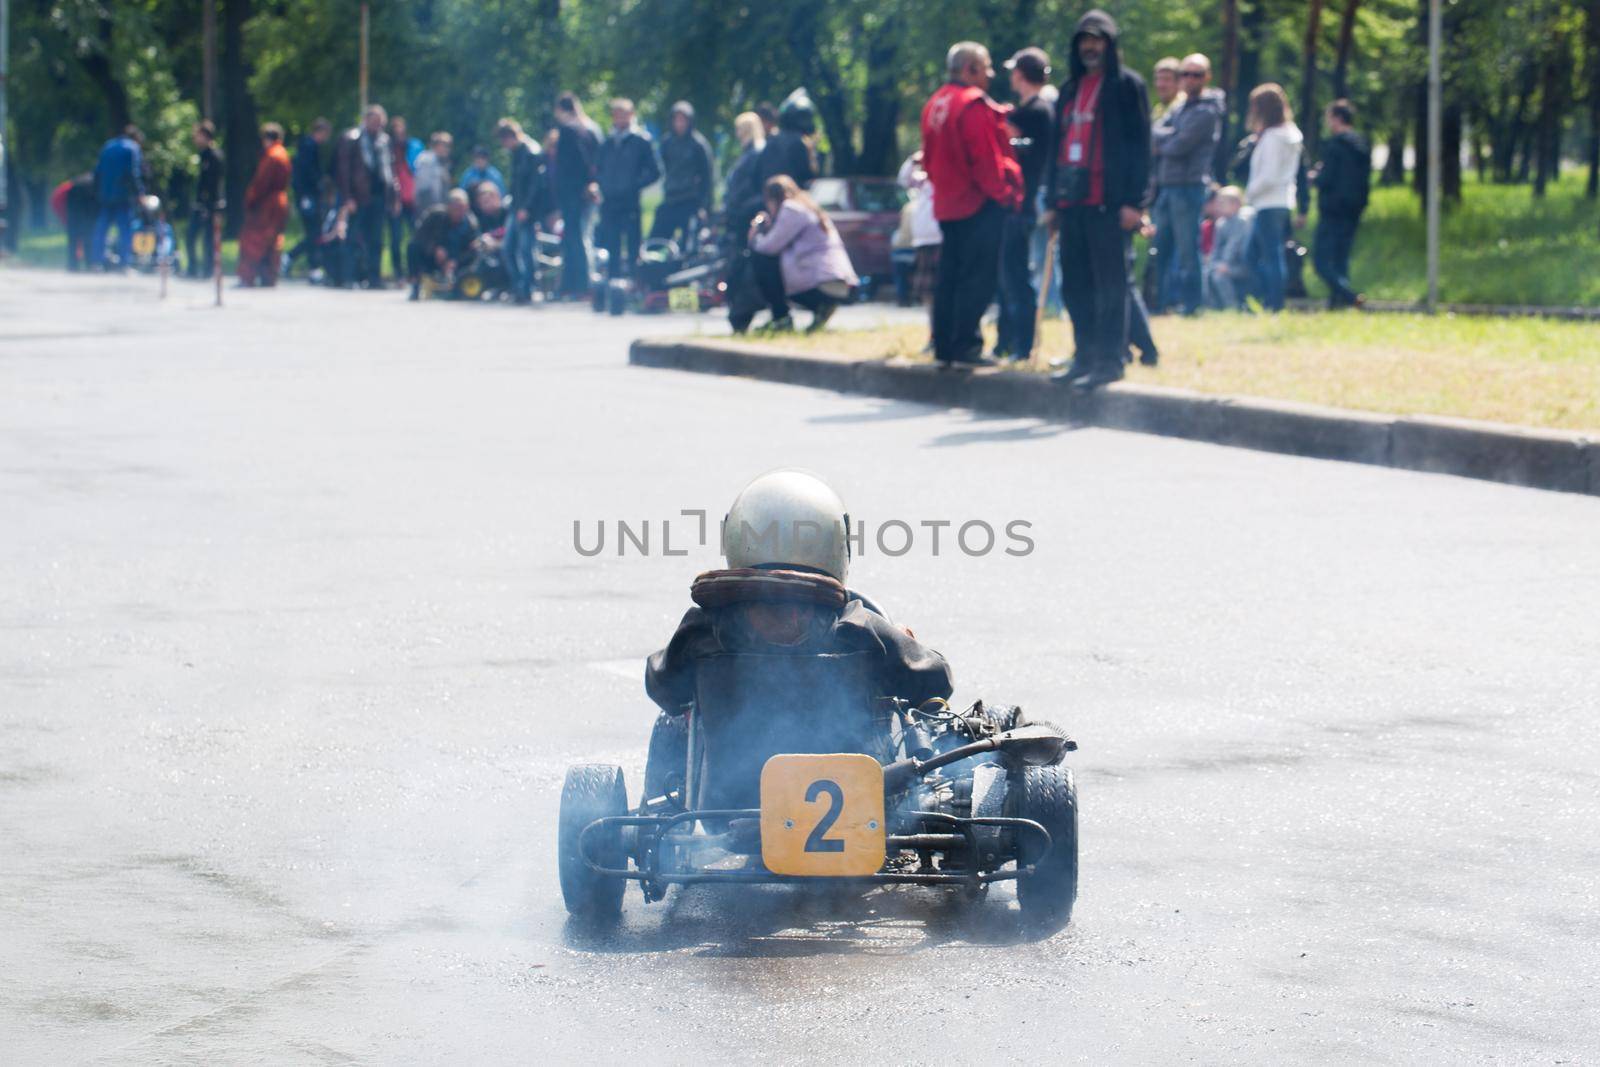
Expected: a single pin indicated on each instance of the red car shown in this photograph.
(867, 212)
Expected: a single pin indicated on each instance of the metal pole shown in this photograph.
(1435, 121)
(5, 73)
(366, 26)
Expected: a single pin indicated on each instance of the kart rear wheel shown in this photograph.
(668, 760)
(592, 791)
(1048, 796)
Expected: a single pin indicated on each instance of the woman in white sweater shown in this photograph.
(1271, 189)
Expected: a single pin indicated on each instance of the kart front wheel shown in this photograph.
(592, 791)
(1049, 797)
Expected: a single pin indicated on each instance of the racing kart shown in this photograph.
(787, 769)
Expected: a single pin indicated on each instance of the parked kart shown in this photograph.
(484, 275)
(787, 769)
(152, 241)
(667, 277)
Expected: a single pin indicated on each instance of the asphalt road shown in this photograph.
(295, 647)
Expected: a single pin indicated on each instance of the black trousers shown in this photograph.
(969, 267)
(1019, 303)
(675, 217)
(1330, 252)
(1095, 284)
(769, 276)
(199, 230)
(1138, 313)
(574, 246)
(619, 224)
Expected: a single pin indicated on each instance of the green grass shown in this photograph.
(1498, 246)
(1532, 372)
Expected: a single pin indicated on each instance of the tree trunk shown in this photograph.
(1228, 75)
(880, 151)
(1347, 39)
(96, 64)
(1251, 27)
(1592, 26)
(1310, 124)
(242, 149)
(1547, 138)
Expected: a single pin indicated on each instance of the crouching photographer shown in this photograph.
(442, 244)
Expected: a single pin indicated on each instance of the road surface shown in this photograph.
(297, 645)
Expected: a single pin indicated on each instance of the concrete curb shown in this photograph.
(1540, 459)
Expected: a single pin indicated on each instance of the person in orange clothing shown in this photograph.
(266, 209)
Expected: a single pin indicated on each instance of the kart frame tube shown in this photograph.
(662, 823)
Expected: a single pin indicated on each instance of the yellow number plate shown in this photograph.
(144, 242)
(822, 816)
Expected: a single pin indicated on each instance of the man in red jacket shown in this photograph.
(976, 180)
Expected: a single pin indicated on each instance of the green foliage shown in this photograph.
(1498, 246)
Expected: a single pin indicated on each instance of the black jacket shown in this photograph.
(741, 196)
(1346, 175)
(577, 147)
(906, 668)
(1034, 122)
(208, 195)
(435, 230)
(625, 164)
(788, 153)
(1123, 114)
(690, 174)
(528, 186)
(305, 178)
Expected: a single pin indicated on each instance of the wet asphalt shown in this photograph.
(295, 646)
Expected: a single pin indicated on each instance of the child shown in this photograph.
(1227, 272)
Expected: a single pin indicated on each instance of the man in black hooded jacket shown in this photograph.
(625, 163)
(689, 175)
(1096, 182)
(1342, 180)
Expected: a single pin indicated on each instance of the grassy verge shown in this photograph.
(1530, 372)
(1500, 245)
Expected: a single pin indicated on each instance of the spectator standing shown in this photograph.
(577, 145)
(482, 171)
(400, 221)
(624, 165)
(966, 151)
(266, 209)
(1031, 123)
(430, 174)
(1098, 179)
(815, 267)
(926, 236)
(788, 149)
(364, 170)
(1183, 143)
(305, 185)
(742, 192)
(1227, 271)
(1165, 83)
(1274, 163)
(118, 186)
(1343, 180)
(528, 195)
(689, 177)
(208, 199)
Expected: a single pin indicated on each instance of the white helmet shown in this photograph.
(790, 518)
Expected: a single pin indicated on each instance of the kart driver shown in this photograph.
(783, 592)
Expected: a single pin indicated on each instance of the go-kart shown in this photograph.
(787, 769)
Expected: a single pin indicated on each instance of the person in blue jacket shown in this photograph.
(119, 185)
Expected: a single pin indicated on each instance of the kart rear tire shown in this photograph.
(1048, 796)
(592, 791)
(668, 760)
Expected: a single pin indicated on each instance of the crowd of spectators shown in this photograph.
(1025, 208)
